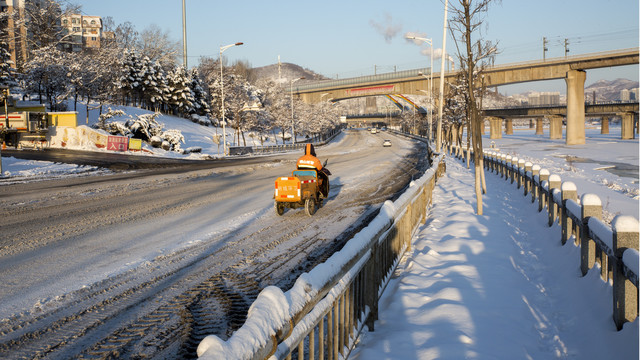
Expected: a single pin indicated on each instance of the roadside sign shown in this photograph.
(117, 143)
(135, 144)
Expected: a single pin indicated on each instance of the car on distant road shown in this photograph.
(386, 143)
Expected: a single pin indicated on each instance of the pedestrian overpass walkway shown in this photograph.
(498, 286)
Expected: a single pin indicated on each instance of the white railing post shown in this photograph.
(591, 207)
(569, 192)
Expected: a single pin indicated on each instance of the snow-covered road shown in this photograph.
(137, 265)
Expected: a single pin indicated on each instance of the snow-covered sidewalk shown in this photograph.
(498, 286)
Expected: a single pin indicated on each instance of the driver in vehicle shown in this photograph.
(310, 161)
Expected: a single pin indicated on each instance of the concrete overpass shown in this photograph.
(411, 82)
(597, 109)
(628, 111)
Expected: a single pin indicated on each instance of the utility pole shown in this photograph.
(5, 96)
(566, 47)
(544, 48)
(184, 35)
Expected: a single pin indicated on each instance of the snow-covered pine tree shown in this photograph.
(180, 97)
(200, 97)
(130, 82)
(148, 82)
(159, 91)
(7, 75)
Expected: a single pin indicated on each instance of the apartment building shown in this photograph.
(16, 36)
(544, 98)
(82, 32)
(79, 32)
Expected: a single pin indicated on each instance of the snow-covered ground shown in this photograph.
(195, 135)
(498, 286)
(606, 165)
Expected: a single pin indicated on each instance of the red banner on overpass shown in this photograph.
(382, 89)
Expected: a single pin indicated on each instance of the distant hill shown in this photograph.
(286, 73)
(609, 90)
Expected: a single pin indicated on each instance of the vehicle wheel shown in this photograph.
(310, 206)
(279, 208)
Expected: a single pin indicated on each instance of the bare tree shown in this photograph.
(44, 23)
(158, 46)
(125, 34)
(473, 53)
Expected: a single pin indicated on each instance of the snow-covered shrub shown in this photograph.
(174, 137)
(156, 141)
(102, 119)
(116, 128)
(144, 126)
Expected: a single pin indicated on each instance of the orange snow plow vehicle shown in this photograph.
(301, 189)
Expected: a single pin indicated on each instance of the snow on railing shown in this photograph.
(322, 315)
(319, 140)
(613, 247)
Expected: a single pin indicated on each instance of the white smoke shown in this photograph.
(425, 48)
(386, 28)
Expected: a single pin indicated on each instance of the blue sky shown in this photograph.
(352, 38)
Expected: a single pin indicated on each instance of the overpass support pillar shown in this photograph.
(604, 125)
(628, 126)
(540, 126)
(575, 107)
(555, 127)
(508, 126)
(495, 127)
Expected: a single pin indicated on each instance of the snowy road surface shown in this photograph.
(498, 286)
(146, 265)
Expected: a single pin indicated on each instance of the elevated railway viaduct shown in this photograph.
(414, 82)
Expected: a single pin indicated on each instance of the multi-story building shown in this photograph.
(16, 36)
(625, 95)
(83, 32)
(544, 98)
(629, 94)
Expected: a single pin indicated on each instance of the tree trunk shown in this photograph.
(88, 100)
(468, 143)
(473, 113)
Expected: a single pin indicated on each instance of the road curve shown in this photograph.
(146, 263)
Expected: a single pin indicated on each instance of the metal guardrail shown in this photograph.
(327, 308)
(253, 150)
(614, 248)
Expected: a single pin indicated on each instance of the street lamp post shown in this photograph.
(293, 134)
(441, 100)
(224, 122)
(184, 35)
(430, 78)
